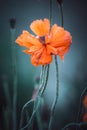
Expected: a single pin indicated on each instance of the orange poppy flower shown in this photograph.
(47, 42)
(85, 117)
(85, 101)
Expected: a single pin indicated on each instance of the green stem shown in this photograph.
(61, 14)
(43, 84)
(22, 112)
(50, 12)
(35, 109)
(57, 94)
(46, 80)
(70, 124)
(42, 76)
(14, 74)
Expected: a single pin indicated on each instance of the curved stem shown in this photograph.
(70, 124)
(74, 124)
(22, 112)
(14, 74)
(57, 94)
(36, 106)
(43, 83)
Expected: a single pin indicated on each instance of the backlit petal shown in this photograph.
(45, 58)
(59, 37)
(61, 51)
(27, 40)
(40, 27)
(51, 50)
(33, 49)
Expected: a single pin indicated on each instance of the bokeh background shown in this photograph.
(72, 72)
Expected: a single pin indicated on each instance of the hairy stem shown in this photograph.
(46, 80)
(42, 77)
(57, 94)
(14, 74)
(50, 12)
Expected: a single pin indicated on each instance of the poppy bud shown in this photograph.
(60, 1)
(12, 23)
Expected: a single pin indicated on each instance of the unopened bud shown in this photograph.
(60, 1)
(12, 23)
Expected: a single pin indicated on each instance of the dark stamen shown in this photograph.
(42, 39)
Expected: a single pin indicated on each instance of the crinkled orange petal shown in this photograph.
(61, 51)
(56, 32)
(22, 39)
(51, 50)
(45, 58)
(42, 58)
(33, 49)
(27, 40)
(36, 56)
(40, 27)
(59, 37)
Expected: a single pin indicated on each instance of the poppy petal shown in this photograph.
(40, 27)
(33, 49)
(61, 51)
(27, 40)
(59, 37)
(41, 58)
(51, 50)
(45, 58)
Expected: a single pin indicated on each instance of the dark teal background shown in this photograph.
(73, 72)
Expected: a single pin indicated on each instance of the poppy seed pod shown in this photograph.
(12, 23)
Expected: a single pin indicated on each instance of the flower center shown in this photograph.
(42, 39)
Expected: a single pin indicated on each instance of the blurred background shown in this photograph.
(72, 72)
